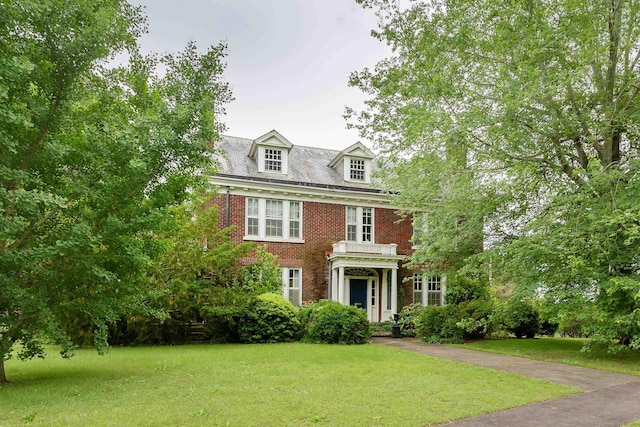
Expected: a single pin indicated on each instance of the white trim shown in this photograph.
(284, 160)
(347, 169)
(250, 188)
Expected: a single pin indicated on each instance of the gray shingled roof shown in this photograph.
(308, 166)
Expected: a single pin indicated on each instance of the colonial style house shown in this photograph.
(336, 236)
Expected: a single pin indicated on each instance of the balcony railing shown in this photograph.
(364, 248)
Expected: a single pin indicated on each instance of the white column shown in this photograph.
(341, 287)
(383, 289)
(334, 284)
(394, 291)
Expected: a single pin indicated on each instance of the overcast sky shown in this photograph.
(288, 60)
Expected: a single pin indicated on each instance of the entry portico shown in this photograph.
(365, 275)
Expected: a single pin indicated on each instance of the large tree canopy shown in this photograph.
(91, 157)
(521, 118)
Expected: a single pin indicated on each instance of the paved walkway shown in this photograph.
(609, 399)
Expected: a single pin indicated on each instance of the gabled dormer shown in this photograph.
(271, 152)
(354, 163)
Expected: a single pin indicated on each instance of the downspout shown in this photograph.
(226, 209)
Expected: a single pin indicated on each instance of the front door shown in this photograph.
(358, 292)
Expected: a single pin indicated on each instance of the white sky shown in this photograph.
(288, 61)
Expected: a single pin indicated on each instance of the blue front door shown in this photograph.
(358, 292)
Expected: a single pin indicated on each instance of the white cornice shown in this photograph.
(246, 187)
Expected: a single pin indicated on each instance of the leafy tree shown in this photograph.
(263, 275)
(91, 157)
(199, 256)
(520, 118)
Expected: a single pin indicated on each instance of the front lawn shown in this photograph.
(562, 350)
(258, 385)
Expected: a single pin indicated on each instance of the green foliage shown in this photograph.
(92, 156)
(269, 318)
(439, 324)
(406, 319)
(330, 322)
(381, 329)
(527, 132)
(462, 288)
(197, 249)
(263, 275)
(520, 317)
(455, 323)
(478, 321)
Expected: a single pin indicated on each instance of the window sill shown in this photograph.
(271, 239)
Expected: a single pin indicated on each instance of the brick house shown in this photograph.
(336, 236)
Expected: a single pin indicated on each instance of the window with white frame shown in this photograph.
(272, 219)
(357, 170)
(419, 229)
(292, 285)
(434, 291)
(417, 288)
(272, 160)
(427, 290)
(359, 224)
(253, 217)
(294, 220)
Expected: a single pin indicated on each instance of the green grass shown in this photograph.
(257, 385)
(562, 350)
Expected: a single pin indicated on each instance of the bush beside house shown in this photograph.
(330, 322)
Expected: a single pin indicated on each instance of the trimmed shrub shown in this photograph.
(270, 318)
(439, 324)
(330, 322)
(477, 322)
(455, 323)
(521, 318)
(223, 312)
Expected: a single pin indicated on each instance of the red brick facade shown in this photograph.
(323, 224)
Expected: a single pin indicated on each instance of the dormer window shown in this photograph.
(271, 153)
(357, 170)
(272, 160)
(354, 164)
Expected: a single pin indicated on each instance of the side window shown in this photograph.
(417, 289)
(434, 290)
(292, 290)
(253, 217)
(294, 220)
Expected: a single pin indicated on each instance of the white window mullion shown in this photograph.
(285, 219)
(262, 207)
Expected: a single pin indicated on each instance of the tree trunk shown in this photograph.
(3, 375)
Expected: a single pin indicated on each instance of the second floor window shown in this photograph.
(272, 219)
(272, 160)
(359, 224)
